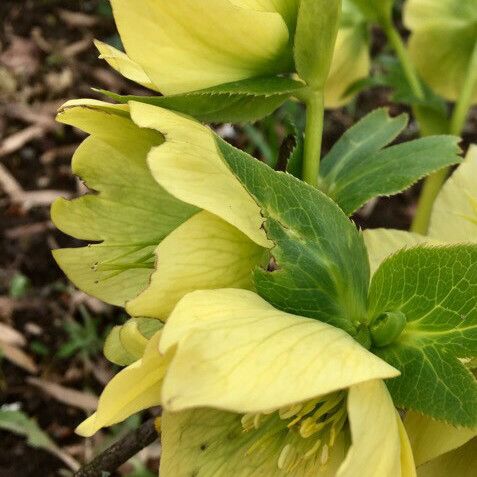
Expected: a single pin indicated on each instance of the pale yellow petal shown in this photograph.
(461, 462)
(133, 389)
(351, 62)
(408, 464)
(288, 9)
(189, 166)
(419, 14)
(382, 243)
(236, 352)
(376, 446)
(454, 217)
(67, 110)
(203, 253)
(442, 42)
(185, 45)
(123, 64)
(430, 438)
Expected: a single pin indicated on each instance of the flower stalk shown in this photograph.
(315, 110)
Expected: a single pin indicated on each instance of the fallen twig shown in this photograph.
(18, 140)
(72, 397)
(120, 452)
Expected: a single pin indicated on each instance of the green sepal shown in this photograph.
(319, 266)
(436, 290)
(359, 167)
(240, 101)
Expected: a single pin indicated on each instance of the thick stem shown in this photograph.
(430, 191)
(315, 110)
(120, 452)
(434, 183)
(466, 97)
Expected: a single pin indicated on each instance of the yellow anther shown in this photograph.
(287, 458)
(289, 412)
(325, 455)
(248, 422)
(256, 421)
(311, 452)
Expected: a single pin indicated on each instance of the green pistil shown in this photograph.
(386, 328)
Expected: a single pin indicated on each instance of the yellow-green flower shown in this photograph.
(183, 46)
(443, 43)
(206, 233)
(440, 449)
(250, 390)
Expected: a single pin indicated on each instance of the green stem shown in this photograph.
(315, 110)
(401, 51)
(434, 183)
(464, 102)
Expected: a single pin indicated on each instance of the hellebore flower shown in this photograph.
(184, 46)
(443, 43)
(134, 217)
(250, 390)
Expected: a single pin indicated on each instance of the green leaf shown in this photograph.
(436, 289)
(19, 423)
(319, 267)
(315, 38)
(432, 108)
(395, 77)
(358, 169)
(129, 215)
(236, 102)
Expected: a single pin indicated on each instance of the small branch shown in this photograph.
(120, 452)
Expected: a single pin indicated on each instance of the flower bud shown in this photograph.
(387, 327)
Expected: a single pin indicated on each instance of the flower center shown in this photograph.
(304, 431)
